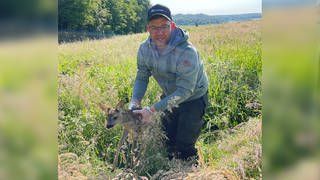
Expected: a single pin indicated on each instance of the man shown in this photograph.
(175, 64)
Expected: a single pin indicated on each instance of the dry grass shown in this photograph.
(231, 35)
(68, 167)
(240, 153)
(241, 147)
(108, 51)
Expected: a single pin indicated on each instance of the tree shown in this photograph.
(118, 16)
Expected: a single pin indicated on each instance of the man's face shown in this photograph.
(160, 31)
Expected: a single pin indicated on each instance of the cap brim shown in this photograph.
(159, 15)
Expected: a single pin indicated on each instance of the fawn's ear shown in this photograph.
(120, 105)
(104, 108)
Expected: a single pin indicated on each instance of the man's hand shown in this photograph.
(146, 114)
(134, 104)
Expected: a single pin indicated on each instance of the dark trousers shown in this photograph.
(183, 126)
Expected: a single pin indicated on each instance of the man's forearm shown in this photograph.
(139, 89)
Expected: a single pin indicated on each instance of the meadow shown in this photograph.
(102, 71)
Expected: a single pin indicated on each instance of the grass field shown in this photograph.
(103, 71)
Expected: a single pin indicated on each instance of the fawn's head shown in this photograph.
(120, 116)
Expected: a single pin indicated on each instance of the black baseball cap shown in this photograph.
(161, 10)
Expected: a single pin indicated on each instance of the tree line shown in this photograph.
(103, 16)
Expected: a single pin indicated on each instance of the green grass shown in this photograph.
(103, 71)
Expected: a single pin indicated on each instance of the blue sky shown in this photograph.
(212, 7)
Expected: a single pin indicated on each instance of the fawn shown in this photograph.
(131, 123)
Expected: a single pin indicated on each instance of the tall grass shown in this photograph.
(103, 71)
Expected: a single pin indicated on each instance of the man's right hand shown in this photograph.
(133, 105)
(146, 114)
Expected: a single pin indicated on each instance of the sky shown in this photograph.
(211, 7)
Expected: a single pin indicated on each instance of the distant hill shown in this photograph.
(201, 19)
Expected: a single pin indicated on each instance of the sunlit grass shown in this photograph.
(103, 71)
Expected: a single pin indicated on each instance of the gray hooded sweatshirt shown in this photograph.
(178, 70)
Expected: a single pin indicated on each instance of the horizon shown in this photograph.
(216, 14)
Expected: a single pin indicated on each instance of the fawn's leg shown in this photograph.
(124, 136)
(134, 151)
